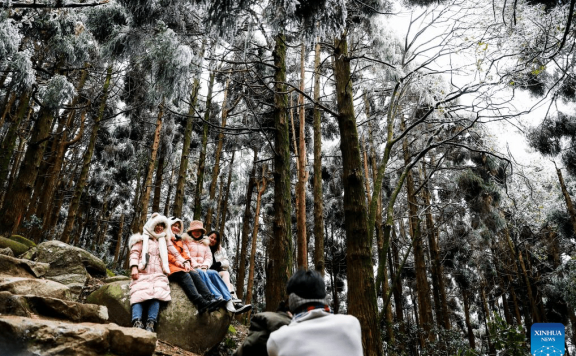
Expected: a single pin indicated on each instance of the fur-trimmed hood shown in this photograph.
(163, 239)
(205, 240)
(171, 221)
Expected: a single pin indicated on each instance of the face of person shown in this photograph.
(212, 239)
(158, 228)
(196, 233)
(176, 228)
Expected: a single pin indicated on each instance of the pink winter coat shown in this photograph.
(199, 251)
(152, 283)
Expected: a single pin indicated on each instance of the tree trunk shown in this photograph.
(361, 285)
(158, 183)
(216, 168)
(318, 198)
(148, 184)
(169, 194)
(219, 204)
(81, 183)
(184, 159)
(569, 204)
(424, 303)
(260, 187)
(17, 198)
(9, 141)
(246, 229)
(279, 266)
(302, 261)
(118, 242)
(202, 159)
(54, 175)
(440, 299)
(471, 339)
(227, 195)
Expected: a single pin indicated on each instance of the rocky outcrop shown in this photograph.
(26, 305)
(26, 336)
(178, 323)
(22, 268)
(6, 251)
(69, 265)
(31, 286)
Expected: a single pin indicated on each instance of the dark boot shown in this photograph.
(202, 305)
(150, 325)
(137, 323)
(216, 304)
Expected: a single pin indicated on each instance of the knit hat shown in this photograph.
(306, 287)
(196, 225)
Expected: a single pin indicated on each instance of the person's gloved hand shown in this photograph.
(217, 265)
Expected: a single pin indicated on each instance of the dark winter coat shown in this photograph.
(261, 326)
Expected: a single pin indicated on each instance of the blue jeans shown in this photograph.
(153, 307)
(215, 284)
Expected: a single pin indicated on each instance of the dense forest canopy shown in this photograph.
(353, 137)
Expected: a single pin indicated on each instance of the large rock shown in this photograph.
(16, 247)
(22, 268)
(23, 240)
(33, 286)
(25, 336)
(70, 265)
(25, 305)
(178, 323)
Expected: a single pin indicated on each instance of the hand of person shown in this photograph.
(134, 273)
(179, 264)
(204, 268)
(217, 265)
(187, 267)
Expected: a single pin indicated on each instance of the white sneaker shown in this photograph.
(230, 307)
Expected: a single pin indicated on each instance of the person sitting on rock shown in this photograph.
(314, 330)
(148, 269)
(181, 272)
(201, 259)
(220, 262)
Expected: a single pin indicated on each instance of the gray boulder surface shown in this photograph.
(26, 336)
(22, 268)
(34, 286)
(69, 265)
(178, 322)
(25, 305)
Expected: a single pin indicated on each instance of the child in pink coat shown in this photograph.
(149, 270)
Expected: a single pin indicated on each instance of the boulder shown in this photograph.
(178, 323)
(25, 336)
(6, 251)
(23, 240)
(116, 279)
(22, 268)
(16, 247)
(69, 265)
(24, 305)
(30, 254)
(34, 286)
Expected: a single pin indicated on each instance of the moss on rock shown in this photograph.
(23, 240)
(16, 247)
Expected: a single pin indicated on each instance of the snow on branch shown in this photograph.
(50, 5)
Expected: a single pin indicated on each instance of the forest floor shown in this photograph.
(225, 348)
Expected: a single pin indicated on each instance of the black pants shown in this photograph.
(192, 284)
